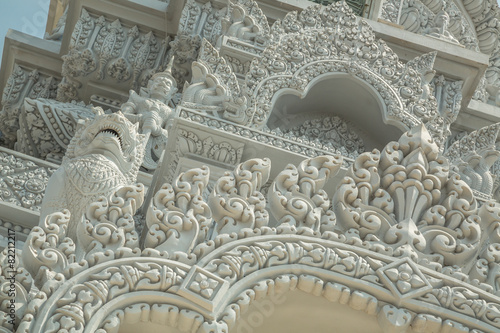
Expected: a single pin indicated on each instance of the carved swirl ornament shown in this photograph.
(395, 237)
(399, 230)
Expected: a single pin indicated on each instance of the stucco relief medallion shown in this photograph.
(203, 287)
(404, 279)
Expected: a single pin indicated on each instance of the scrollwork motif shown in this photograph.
(236, 201)
(406, 197)
(178, 218)
(297, 199)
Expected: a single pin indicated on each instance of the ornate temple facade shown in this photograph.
(252, 166)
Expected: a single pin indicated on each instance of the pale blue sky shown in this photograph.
(29, 16)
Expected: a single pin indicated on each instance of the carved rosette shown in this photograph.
(405, 198)
(22, 182)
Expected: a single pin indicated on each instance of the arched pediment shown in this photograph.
(324, 41)
(354, 101)
(318, 44)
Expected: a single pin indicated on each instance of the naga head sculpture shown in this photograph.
(114, 137)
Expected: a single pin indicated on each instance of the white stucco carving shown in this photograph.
(179, 219)
(409, 181)
(338, 134)
(22, 83)
(214, 87)
(254, 206)
(151, 111)
(104, 155)
(23, 182)
(402, 198)
(474, 155)
(308, 47)
(47, 126)
(110, 51)
(237, 202)
(473, 24)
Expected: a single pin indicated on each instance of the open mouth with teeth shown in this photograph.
(108, 132)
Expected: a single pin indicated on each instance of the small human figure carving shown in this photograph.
(440, 29)
(239, 25)
(150, 109)
(205, 89)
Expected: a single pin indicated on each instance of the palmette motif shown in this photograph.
(406, 197)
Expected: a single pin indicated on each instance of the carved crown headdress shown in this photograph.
(167, 73)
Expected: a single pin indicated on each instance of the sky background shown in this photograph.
(29, 16)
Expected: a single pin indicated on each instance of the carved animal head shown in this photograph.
(114, 137)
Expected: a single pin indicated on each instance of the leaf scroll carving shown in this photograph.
(178, 218)
(406, 198)
(237, 202)
(297, 199)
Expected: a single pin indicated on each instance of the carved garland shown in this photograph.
(72, 305)
(350, 278)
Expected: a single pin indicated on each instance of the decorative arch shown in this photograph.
(389, 317)
(361, 105)
(304, 48)
(390, 105)
(325, 40)
(75, 304)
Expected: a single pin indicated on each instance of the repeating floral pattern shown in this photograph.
(22, 182)
(126, 56)
(401, 229)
